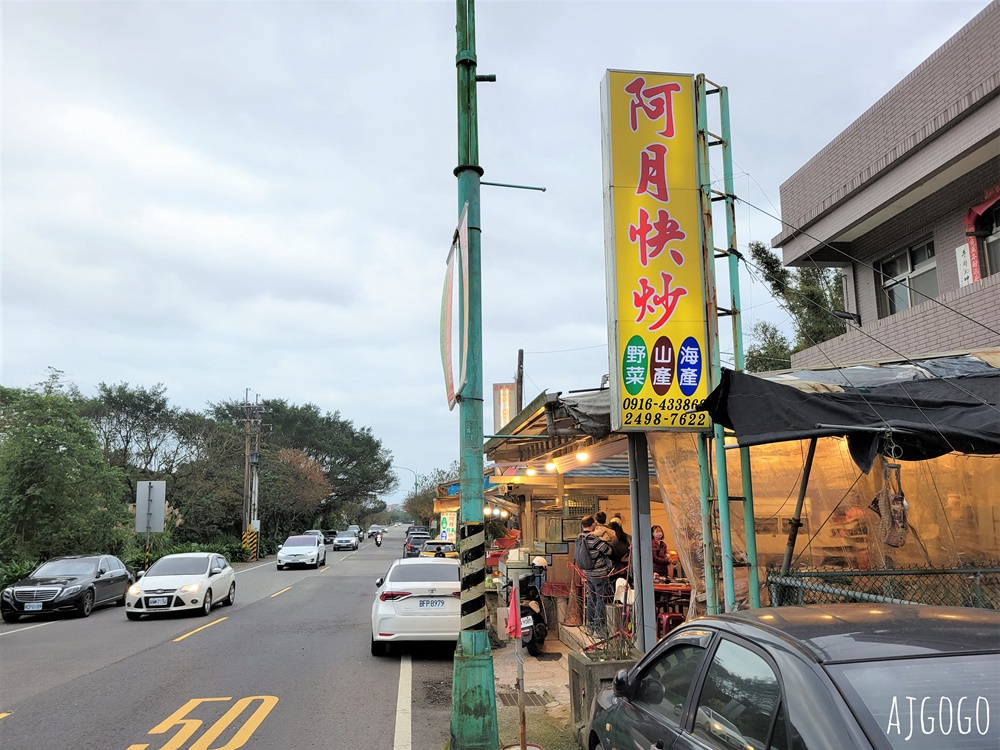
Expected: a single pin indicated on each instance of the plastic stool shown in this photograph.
(666, 622)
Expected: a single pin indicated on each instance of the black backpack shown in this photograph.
(584, 558)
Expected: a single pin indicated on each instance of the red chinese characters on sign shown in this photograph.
(655, 102)
(648, 300)
(651, 245)
(653, 172)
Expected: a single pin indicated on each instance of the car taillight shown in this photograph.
(457, 594)
(388, 596)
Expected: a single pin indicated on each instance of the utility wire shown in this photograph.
(866, 265)
(902, 356)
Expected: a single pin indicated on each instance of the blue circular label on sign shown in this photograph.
(689, 366)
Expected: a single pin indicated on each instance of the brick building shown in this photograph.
(906, 202)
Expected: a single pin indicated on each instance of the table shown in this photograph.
(671, 600)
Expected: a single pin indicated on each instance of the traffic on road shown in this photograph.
(280, 665)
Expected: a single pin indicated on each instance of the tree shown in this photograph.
(420, 503)
(769, 349)
(57, 495)
(808, 294)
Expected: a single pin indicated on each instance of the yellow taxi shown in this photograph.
(438, 548)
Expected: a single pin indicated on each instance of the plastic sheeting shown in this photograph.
(953, 509)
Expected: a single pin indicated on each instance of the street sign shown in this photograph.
(150, 502)
(457, 255)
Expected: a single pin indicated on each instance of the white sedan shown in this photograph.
(418, 600)
(189, 581)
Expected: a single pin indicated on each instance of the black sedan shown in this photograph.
(67, 584)
(818, 677)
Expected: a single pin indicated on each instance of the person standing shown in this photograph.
(621, 547)
(593, 557)
(601, 527)
(661, 555)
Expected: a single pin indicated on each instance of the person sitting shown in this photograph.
(661, 555)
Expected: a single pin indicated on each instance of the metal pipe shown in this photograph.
(795, 583)
(797, 517)
(707, 544)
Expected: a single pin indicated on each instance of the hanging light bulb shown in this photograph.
(582, 456)
(530, 472)
(496, 511)
(504, 514)
(487, 510)
(550, 466)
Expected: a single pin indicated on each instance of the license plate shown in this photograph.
(431, 603)
(33, 607)
(527, 622)
(158, 601)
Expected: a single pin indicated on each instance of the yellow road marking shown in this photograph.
(280, 592)
(344, 557)
(201, 628)
(137, 747)
(5, 714)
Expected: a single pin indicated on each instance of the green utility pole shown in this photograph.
(473, 708)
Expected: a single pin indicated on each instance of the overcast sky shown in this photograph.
(227, 195)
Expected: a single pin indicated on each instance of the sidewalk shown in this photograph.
(547, 699)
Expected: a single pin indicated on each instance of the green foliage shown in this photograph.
(808, 294)
(11, 572)
(57, 495)
(768, 350)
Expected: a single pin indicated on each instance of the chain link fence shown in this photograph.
(954, 587)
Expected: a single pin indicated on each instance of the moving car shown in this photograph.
(302, 549)
(316, 532)
(75, 583)
(414, 543)
(193, 581)
(438, 548)
(357, 530)
(345, 540)
(373, 530)
(417, 600)
(865, 676)
(329, 535)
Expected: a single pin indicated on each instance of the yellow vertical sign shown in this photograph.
(657, 329)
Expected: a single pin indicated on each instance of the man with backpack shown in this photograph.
(593, 557)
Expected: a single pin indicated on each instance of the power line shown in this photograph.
(866, 265)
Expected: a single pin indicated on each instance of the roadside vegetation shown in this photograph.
(69, 465)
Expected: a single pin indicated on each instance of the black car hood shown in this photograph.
(51, 581)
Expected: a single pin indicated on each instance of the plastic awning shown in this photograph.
(911, 411)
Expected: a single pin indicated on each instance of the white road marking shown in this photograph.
(244, 570)
(21, 630)
(404, 706)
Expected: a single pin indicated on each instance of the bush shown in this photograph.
(14, 571)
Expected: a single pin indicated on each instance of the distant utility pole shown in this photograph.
(251, 469)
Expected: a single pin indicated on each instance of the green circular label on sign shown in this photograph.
(635, 365)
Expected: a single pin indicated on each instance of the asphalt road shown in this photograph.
(288, 665)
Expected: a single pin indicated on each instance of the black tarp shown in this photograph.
(923, 418)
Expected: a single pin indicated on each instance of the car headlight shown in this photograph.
(70, 590)
(191, 588)
(134, 590)
(7, 593)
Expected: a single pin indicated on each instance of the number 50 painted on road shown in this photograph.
(188, 727)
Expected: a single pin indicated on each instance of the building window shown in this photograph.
(908, 278)
(991, 246)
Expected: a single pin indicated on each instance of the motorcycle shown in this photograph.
(378, 540)
(534, 626)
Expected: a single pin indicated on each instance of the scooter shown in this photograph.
(378, 540)
(534, 627)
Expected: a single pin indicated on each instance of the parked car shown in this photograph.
(194, 581)
(346, 540)
(437, 548)
(417, 600)
(74, 583)
(302, 549)
(414, 543)
(329, 535)
(816, 676)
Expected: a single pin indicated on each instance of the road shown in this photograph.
(288, 665)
